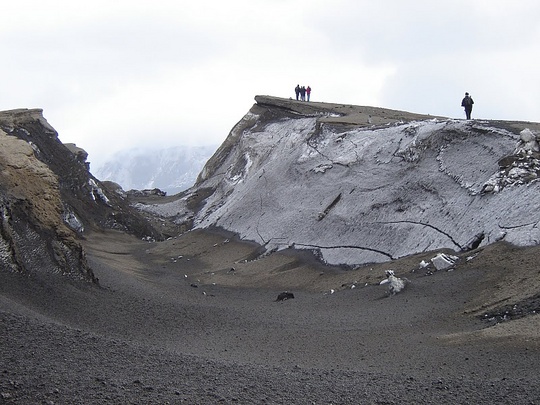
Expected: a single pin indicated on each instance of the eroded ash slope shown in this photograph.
(364, 184)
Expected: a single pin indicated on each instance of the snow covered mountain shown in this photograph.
(364, 184)
(172, 170)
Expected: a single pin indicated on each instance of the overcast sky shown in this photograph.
(113, 74)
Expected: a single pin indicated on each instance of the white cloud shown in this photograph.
(118, 74)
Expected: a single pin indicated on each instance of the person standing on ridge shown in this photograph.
(303, 93)
(297, 91)
(467, 103)
(308, 92)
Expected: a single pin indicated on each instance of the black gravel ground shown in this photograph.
(147, 336)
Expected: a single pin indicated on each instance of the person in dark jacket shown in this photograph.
(467, 103)
(297, 91)
(303, 93)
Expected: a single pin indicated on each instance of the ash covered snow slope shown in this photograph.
(364, 184)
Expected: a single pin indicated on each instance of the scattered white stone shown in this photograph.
(97, 191)
(443, 261)
(500, 236)
(517, 172)
(322, 168)
(73, 221)
(527, 135)
(396, 284)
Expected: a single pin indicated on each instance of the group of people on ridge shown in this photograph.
(302, 92)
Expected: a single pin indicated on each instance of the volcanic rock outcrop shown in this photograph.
(48, 199)
(363, 184)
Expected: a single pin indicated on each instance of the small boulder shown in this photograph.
(443, 261)
(528, 138)
(474, 242)
(285, 295)
(395, 284)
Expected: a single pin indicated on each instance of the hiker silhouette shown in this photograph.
(467, 103)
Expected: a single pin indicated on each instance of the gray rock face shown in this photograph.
(322, 177)
(48, 199)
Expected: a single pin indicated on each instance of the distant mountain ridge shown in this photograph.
(172, 169)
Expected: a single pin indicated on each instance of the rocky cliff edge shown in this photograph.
(49, 199)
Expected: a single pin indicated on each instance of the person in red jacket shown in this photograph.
(308, 92)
